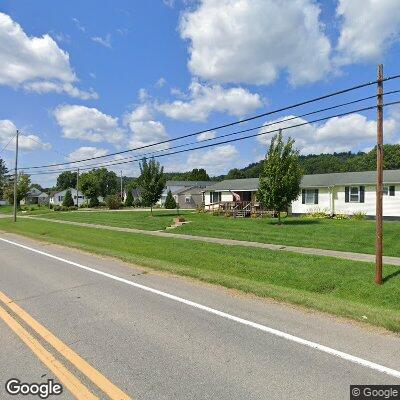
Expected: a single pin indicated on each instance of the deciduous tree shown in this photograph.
(152, 182)
(280, 176)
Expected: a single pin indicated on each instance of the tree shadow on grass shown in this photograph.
(165, 214)
(391, 276)
(297, 222)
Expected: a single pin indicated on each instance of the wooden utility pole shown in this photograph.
(379, 178)
(122, 195)
(16, 175)
(77, 188)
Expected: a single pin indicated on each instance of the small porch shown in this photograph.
(238, 209)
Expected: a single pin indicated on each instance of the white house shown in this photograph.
(335, 193)
(346, 193)
(57, 198)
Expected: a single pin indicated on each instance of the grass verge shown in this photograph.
(344, 235)
(332, 285)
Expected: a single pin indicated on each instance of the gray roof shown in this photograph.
(236, 184)
(317, 180)
(34, 192)
(202, 184)
(350, 178)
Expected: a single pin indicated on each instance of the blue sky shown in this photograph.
(85, 80)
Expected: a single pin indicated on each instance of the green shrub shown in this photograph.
(359, 215)
(93, 202)
(137, 203)
(72, 208)
(57, 208)
(113, 202)
(341, 216)
(318, 213)
(200, 209)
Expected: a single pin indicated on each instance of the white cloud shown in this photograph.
(206, 135)
(26, 141)
(217, 160)
(59, 87)
(350, 132)
(78, 24)
(142, 94)
(86, 152)
(80, 122)
(205, 99)
(145, 130)
(252, 41)
(104, 41)
(169, 3)
(368, 28)
(161, 82)
(35, 63)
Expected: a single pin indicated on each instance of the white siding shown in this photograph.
(225, 196)
(391, 204)
(324, 203)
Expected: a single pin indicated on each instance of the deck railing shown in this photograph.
(237, 208)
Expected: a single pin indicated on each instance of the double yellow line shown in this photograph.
(73, 384)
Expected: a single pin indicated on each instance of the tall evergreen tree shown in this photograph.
(68, 200)
(280, 176)
(170, 202)
(129, 198)
(152, 182)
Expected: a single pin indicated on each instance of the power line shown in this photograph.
(227, 141)
(8, 143)
(220, 126)
(149, 154)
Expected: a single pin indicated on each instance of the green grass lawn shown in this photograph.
(5, 209)
(345, 235)
(337, 286)
(32, 209)
(126, 219)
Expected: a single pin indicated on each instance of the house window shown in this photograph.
(354, 194)
(389, 190)
(188, 199)
(215, 197)
(310, 196)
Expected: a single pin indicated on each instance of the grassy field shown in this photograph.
(345, 235)
(337, 286)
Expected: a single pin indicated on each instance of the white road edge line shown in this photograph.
(272, 331)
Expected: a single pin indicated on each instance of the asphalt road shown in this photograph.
(151, 345)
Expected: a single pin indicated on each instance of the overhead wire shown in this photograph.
(228, 141)
(220, 126)
(150, 154)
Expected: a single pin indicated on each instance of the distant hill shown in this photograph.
(327, 163)
(312, 164)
